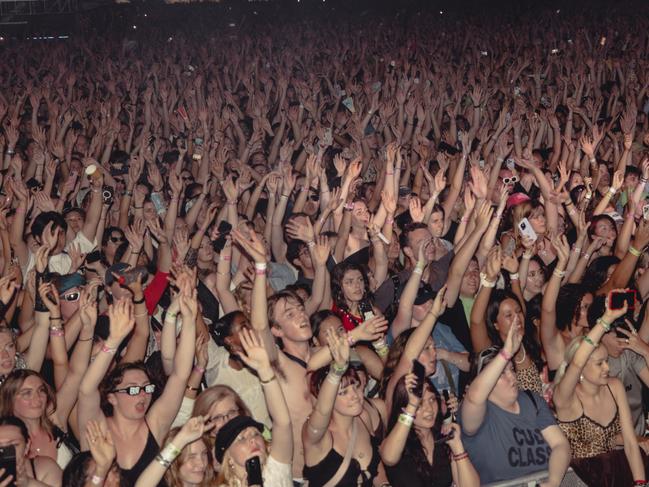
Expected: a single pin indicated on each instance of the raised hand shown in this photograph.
(339, 348)
(251, 244)
(494, 262)
(122, 321)
(254, 354)
(372, 329)
(101, 445)
(192, 430)
(50, 297)
(439, 303)
(8, 287)
(514, 337)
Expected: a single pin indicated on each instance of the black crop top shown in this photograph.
(319, 474)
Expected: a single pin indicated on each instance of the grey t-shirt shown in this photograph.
(627, 368)
(508, 445)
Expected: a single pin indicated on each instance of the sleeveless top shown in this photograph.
(151, 449)
(529, 379)
(319, 474)
(587, 437)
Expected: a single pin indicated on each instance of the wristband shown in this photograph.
(644, 180)
(199, 369)
(97, 480)
(336, 370)
(56, 332)
(139, 301)
(170, 452)
(639, 482)
(261, 266)
(593, 160)
(460, 456)
(612, 190)
(504, 355)
(484, 282)
(527, 256)
(11, 152)
(406, 419)
(389, 221)
(589, 341)
(192, 389)
(333, 379)
(514, 276)
(109, 350)
(558, 273)
(634, 251)
(226, 258)
(310, 244)
(586, 255)
(171, 316)
(383, 351)
(349, 206)
(419, 269)
(605, 324)
(577, 250)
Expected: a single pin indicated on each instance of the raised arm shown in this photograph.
(122, 321)
(164, 410)
(256, 358)
(315, 429)
(474, 405)
(259, 316)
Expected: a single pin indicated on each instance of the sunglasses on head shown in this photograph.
(512, 180)
(116, 239)
(72, 297)
(135, 390)
(485, 356)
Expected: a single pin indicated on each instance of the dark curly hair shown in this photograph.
(337, 283)
(114, 377)
(568, 304)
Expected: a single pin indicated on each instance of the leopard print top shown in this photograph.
(529, 379)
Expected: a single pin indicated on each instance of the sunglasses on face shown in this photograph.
(135, 390)
(116, 239)
(512, 180)
(72, 297)
(314, 197)
(36, 189)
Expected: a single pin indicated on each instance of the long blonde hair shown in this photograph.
(571, 350)
(227, 477)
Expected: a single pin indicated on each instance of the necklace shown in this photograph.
(518, 362)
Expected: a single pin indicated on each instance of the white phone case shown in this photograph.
(526, 229)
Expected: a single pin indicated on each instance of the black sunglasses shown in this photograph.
(116, 239)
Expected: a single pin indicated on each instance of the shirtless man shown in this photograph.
(283, 317)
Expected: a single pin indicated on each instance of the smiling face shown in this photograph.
(195, 461)
(470, 280)
(31, 401)
(12, 436)
(360, 213)
(428, 410)
(596, 369)
(131, 407)
(349, 401)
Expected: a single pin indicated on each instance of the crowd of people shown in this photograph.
(337, 253)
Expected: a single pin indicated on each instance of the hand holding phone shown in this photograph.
(420, 372)
(526, 230)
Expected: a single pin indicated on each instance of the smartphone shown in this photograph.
(645, 212)
(224, 230)
(444, 439)
(525, 227)
(8, 463)
(617, 299)
(253, 469)
(448, 417)
(420, 371)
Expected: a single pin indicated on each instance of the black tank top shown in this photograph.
(319, 474)
(151, 449)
